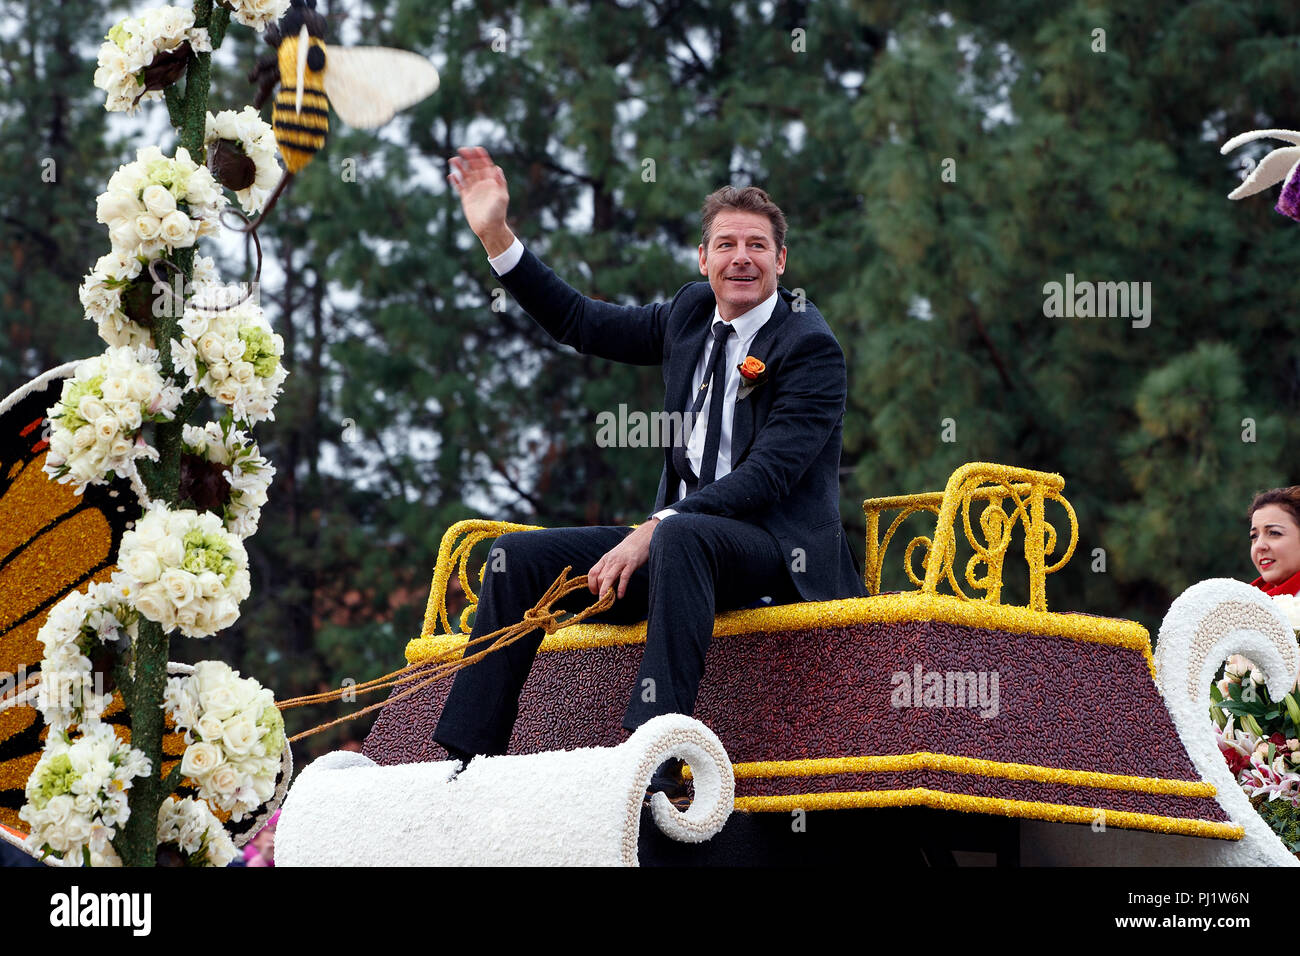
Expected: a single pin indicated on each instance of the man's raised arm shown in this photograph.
(632, 334)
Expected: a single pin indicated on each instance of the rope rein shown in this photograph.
(428, 672)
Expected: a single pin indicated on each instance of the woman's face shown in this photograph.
(1274, 544)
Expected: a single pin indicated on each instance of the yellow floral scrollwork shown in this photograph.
(1027, 492)
(454, 552)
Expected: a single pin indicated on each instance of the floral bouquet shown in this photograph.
(1260, 737)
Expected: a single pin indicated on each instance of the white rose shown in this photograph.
(176, 229)
(180, 587)
(227, 394)
(91, 408)
(242, 372)
(171, 551)
(83, 438)
(120, 450)
(187, 620)
(210, 729)
(241, 734)
(105, 430)
(142, 384)
(122, 234)
(211, 348)
(85, 469)
(110, 207)
(225, 612)
(200, 760)
(234, 350)
(220, 701)
(129, 417)
(147, 226)
(159, 200)
(210, 584)
(143, 566)
(155, 607)
(59, 810)
(114, 390)
(225, 780)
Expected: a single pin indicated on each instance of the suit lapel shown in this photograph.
(686, 354)
(742, 423)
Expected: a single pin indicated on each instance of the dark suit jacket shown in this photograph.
(785, 437)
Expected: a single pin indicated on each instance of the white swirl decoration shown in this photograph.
(1207, 624)
(674, 735)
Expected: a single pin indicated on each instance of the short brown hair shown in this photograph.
(748, 199)
(1286, 498)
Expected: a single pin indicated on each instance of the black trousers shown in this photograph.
(698, 564)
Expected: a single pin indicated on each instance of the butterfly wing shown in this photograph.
(367, 85)
(52, 542)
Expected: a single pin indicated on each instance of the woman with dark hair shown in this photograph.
(1275, 540)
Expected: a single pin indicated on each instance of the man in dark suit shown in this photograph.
(748, 505)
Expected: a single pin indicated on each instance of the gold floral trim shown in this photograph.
(999, 806)
(1029, 491)
(883, 609)
(924, 760)
(453, 553)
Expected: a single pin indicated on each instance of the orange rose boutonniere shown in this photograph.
(753, 373)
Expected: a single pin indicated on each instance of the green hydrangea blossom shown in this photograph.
(259, 349)
(57, 778)
(76, 392)
(167, 172)
(273, 721)
(208, 552)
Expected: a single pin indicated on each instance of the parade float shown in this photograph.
(1036, 735)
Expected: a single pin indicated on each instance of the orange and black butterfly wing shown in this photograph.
(52, 542)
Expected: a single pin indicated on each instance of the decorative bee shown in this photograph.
(365, 85)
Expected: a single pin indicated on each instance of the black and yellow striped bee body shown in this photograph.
(300, 128)
(364, 85)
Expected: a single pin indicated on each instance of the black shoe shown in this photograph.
(455, 753)
(671, 781)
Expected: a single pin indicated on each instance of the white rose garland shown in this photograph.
(234, 357)
(256, 139)
(234, 733)
(185, 570)
(101, 295)
(131, 46)
(79, 622)
(78, 794)
(256, 13)
(248, 473)
(158, 203)
(194, 830)
(95, 427)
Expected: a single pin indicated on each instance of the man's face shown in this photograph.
(742, 261)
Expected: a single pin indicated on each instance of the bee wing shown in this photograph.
(366, 85)
(1272, 169)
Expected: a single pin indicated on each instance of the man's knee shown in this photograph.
(678, 533)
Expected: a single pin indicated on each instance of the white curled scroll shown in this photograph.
(559, 808)
(1207, 624)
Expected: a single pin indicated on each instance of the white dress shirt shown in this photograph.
(746, 327)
